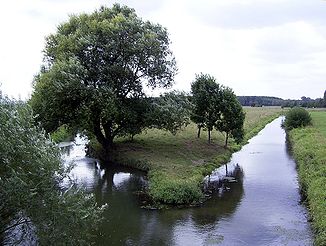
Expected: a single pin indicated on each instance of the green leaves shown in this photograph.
(170, 112)
(216, 106)
(232, 116)
(206, 98)
(297, 117)
(30, 171)
(96, 64)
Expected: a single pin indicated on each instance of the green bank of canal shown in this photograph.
(261, 206)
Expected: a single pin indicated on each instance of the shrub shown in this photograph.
(297, 117)
(174, 191)
(32, 203)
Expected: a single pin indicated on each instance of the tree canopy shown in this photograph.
(96, 67)
(216, 106)
(232, 116)
(206, 98)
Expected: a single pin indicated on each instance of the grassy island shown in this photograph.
(177, 164)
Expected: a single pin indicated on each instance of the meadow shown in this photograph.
(177, 164)
(309, 150)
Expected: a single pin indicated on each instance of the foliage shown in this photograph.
(308, 146)
(31, 201)
(62, 134)
(170, 111)
(174, 191)
(216, 106)
(261, 101)
(96, 67)
(206, 99)
(232, 117)
(297, 117)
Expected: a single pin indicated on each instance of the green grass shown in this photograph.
(177, 164)
(309, 149)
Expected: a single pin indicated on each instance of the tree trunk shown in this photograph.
(198, 134)
(105, 141)
(226, 139)
(226, 170)
(209, 136)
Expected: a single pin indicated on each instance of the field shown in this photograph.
(309, 149)
(178, 163)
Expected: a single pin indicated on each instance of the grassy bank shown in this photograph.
(177, 164)
(309, 149)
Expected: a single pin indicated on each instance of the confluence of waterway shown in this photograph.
(260, 206)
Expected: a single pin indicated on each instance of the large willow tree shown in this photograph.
(34, 209)
(96, 67)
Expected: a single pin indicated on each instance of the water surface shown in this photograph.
(261, 208)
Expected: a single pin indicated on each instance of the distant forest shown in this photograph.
(260, 101)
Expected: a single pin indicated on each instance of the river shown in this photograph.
(262, 206)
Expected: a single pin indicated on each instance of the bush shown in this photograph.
(174, 191)
(32, 204)
(297, 117)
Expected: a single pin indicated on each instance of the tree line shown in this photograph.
(260, 101)
(92, 81)
(96, 67)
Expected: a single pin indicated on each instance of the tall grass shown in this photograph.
(309, 150)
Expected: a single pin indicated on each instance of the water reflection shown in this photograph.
(254, 201)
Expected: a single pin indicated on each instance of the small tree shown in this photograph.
(297, 117)
(232, 117)
(206, 99)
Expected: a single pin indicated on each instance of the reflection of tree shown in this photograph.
(288, 147)
(224, 200)
(125, 223)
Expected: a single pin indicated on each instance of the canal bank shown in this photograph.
(261, 208)
(308, 147)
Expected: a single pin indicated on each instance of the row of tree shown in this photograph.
(216, 106)
(306, 102)
(259, 101)
(92, 80)
(95, 70)
(93, 77)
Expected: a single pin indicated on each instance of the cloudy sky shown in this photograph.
(257, 47)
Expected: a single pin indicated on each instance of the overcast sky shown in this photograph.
(256, 47)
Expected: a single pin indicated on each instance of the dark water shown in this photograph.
(261, 208)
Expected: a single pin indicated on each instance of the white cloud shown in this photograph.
(265, 47)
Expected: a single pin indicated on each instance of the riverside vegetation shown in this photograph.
(308, 147)
(34, 209)
(96, 67)
(92, 81)
(177, 164)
